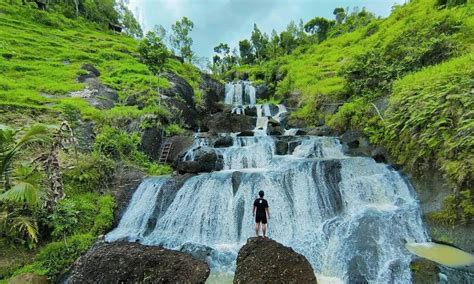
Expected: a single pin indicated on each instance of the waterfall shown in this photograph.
(349, 216)
(240, 93)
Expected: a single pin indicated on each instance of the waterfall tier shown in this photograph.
(349, 216)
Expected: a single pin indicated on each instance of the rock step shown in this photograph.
(267, 261)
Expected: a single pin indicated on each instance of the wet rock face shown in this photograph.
(212, 93)
(179, 88)
(125, 182)
(124, 262)
(205, 160)
(266, 261)
(179, 99)
(224, 122)
(151, 140)
(262, 92)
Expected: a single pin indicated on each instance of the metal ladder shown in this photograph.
(165, 152)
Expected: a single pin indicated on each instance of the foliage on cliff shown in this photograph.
(420, 59)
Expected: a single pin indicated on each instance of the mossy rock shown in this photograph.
(424, 271)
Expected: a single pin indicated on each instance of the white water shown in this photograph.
(348, 215)
(239, 94)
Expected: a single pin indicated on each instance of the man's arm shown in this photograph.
(268, 212)
(254, 210)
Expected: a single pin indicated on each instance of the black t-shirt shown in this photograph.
(261, 205)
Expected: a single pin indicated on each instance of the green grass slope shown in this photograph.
(42, 52)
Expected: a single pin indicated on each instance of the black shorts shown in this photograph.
(261, 218)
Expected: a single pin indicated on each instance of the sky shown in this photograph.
(229, 21)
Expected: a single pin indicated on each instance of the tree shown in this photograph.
(153, 52)
(180, 39)
(259, 42)
(223, 60)
(246, 52)
(160, 32)
(130, 24)
(340, 14)
(273, 46)
(319, 26)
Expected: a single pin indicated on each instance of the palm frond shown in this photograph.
(23, 192)
(26, 225)
(36, 133)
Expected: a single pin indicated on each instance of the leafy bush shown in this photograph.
(158, 170)
(428, 121)
(174, 129)
(64, 218)
(105, 215)
(117, 144)
(92, 172)
(55, 258)
(153, 52)
(85, 213)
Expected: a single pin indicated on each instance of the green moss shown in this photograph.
(457, 209)
(55, 258)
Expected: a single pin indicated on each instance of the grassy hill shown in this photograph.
(42, 54)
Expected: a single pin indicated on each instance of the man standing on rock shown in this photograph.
(261, 212)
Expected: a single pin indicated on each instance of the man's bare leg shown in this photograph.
(257, 228)
(264, 230)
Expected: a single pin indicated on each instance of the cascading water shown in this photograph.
(349, 216)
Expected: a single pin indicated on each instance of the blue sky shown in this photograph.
(229, 21)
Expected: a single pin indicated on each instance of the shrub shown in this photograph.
(153, 52)
(105, 214)
(55, 258)
(92, 172)
(116, 144)
(428, 122)
(64, 218)
(174, 129)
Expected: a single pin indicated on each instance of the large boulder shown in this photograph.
(97, 94)
(124, 183)
(424, 271)
(179, 145)
(266, 261)
(89, 72)
(223, 122)
(205, 160)
(179, 87)
(124, 262)
(262, 92)
(224, 141)
(151, 141)
(321, 131)
(179, 99)
(212, 94)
